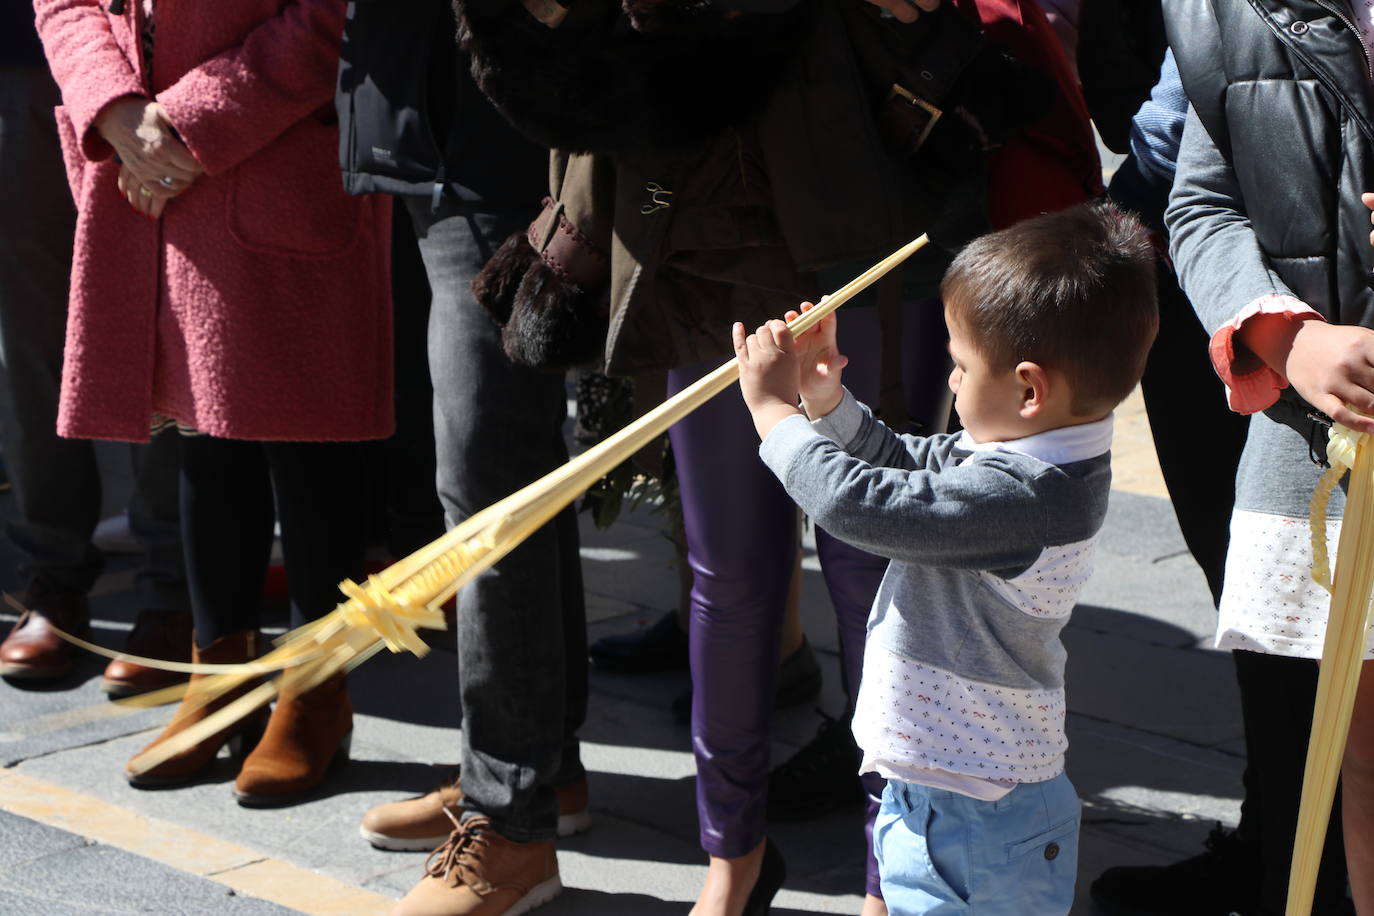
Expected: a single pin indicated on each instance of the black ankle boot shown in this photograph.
(661, 647)
(1222, 880)
(819, 778)
(799, 681)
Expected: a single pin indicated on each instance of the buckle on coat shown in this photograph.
(908, 118)
(1316, 437)
(659, 198)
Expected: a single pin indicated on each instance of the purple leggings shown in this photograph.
(741, 544)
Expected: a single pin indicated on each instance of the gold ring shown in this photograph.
(145, 192)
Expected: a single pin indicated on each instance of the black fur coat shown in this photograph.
(611, 77)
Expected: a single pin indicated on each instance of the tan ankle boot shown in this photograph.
(234, 649)
(424, 823)
(478, 872)
(307, 733)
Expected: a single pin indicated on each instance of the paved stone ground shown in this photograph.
(1154, 724)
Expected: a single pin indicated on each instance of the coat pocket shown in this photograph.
(288, 198)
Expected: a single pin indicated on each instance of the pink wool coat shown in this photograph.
(258, 306)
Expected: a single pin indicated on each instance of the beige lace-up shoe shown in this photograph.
(478, 872)
(423, 823)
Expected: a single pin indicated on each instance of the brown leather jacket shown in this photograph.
(692, 225)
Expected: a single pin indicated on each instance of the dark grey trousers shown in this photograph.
(522, 635)
(56, 481)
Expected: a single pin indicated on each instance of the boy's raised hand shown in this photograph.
(821, 365)
(769, 373)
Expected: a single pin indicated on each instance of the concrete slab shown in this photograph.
(53, 871)
(630, 567)
(1143, 567)
(1188, 694)
(45, 719)
(1123, 772)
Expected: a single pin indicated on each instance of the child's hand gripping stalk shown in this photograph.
(769, 373)
(777, 369)
(821, 365)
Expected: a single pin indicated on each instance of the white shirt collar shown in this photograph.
(1064, 445)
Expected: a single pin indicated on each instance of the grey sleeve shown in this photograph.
(983, 514)
(853, 427)
(1219, 262)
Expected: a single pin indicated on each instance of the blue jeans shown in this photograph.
(522, 625)
(941, 853)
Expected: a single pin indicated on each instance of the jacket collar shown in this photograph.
(1323, 42)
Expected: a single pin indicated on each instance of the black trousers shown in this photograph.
(228, 509)
(1184, 400)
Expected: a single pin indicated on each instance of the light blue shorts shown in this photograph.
(941, 853)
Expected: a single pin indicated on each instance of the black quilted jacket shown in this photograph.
(411, 119)
(1280, 88)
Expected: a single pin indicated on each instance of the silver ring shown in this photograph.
(167, 181)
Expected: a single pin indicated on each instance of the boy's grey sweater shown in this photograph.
(969, 590)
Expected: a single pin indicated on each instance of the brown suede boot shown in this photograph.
(234, 649)
(308, 733)
(478, 872)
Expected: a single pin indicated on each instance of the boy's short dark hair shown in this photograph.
(1073, 291)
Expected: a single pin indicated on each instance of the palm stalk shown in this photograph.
(389, 607)
(1343, 652)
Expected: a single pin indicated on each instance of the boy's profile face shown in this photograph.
(988, 401)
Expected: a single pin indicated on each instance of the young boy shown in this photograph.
(989, 534)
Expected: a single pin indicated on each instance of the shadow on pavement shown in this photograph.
(381, 775)
(580, 902)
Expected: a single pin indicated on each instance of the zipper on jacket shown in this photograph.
(437, 195)
(1355, 30)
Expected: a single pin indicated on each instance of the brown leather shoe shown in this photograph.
(478, 872)
(156, 634)
(32, 651)
(236, 648)
(308, 734)
(424, 822)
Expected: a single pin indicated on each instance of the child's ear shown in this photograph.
(1037, 388)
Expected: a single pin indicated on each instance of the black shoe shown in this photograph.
(1222, 881)
(799, 681)
(819, 778)
(772, 873)
(661, 647)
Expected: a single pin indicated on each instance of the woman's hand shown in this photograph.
(139, 196)
(769, 367)
(147, 146)
(1330, 365)
(821, 365)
